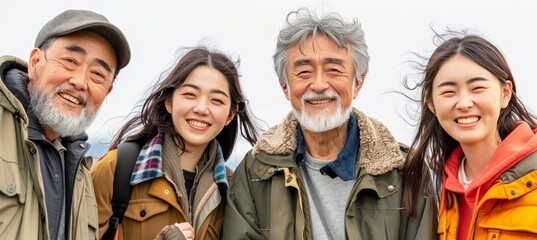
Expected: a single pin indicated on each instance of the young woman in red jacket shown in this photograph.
(479, 140)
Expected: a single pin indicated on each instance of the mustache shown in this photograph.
(309, 95)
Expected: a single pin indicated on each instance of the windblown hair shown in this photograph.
(432, 145)
(154, 118)
(301, 24)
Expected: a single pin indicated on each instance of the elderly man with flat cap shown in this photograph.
(45, 105)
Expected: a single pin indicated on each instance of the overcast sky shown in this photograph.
(247, 29)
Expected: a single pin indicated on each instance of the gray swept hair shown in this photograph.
(301, 23)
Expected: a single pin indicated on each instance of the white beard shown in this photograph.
(61, 123)
(322, 121)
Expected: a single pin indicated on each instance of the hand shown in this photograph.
(186, 229)
(177, 231)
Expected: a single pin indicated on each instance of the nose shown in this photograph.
(201, 107)
(319, 83)
(79, 80)
(464, 101)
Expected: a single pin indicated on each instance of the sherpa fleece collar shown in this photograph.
(379, 151)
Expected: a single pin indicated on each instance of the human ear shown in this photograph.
(430, 105)
(168, 104)
(358, 85)
(231, 115)
(35, 58)
(507, 93)
(285, 89)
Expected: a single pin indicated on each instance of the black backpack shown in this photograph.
(127, 154)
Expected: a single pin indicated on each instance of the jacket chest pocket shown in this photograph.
(373, 213)
(146, 217)
(509, 223)
(12, 180)
(140, 210)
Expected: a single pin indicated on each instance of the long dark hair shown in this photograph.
(154, 118)
(432, 145)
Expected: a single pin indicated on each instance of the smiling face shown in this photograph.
(200, 107)
(321, 83)
(467, 99)
(69, 81)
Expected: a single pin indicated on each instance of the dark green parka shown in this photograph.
(267, 199)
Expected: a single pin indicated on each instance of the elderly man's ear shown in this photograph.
(35, 57)
(285, 89)
(359, 83)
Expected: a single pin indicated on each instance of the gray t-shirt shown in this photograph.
(327, 200)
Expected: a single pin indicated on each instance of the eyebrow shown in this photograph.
(302, 62)
(337, 61)
(471, 80)
(78, 49)
(199, 89)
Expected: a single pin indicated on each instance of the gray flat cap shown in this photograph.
(72, 21)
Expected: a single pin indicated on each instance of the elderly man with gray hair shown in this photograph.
(328, 171)
(46, 104)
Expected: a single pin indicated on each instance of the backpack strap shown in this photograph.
(126, 158)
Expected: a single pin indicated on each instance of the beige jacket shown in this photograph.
(22, 208)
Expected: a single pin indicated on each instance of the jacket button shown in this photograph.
(142, 213)
(32, 150)
(289, 179)
(390, 188)
(529, 184)
(166, 191)
(79, 178)
(513, 192)
(10, 188)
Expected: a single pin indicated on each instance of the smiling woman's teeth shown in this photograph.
(467, 120)
(198, 124)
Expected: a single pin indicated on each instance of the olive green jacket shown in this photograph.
(267, 199)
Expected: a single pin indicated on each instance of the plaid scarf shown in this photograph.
(149, 164)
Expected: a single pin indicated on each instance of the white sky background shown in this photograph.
(248, 29)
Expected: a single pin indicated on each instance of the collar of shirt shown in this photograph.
(345, 164)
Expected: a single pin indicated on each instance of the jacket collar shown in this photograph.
(8, 63)
(148, 166)
(379, 152)
(344, 166)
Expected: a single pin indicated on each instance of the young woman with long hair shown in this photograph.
(188, 127)
(479, 140)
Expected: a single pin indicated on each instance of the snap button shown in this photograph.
(10, 188)
(529, 184)
(82, 146)
(142, 213)
(166, 191)
(513, 192)
(390, 188)
(289, 179)
(56, 175)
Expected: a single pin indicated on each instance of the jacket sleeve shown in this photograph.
(240, 221)
(102, 174)
(423, 224)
